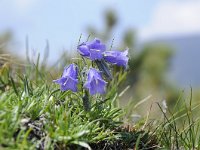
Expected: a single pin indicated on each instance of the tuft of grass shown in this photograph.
(35, 114)
(179, 128)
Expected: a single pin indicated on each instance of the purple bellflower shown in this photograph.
(117, 57)
(95, 83)
(69, 79)
(92, 50)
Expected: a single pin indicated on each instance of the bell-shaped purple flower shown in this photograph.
(95, 83)
(92, 50)
(117, 57)
(69, 79)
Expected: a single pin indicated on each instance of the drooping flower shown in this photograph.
(92, 50)
(103, 67)
(95, 83)
(69, 79)
(117, 57)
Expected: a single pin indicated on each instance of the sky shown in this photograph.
(62, 21)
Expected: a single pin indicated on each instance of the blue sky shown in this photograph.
(62, 21)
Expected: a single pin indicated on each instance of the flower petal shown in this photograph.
(69, 84)
(92, 50)
(95, 84)
(69, 79)
(84, 50)
(95, 54)
(117, 57)
(96, 44)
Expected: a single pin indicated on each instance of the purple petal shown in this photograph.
(95, 54)
(110, 57)
(96, 44)
(84, 50)
(69, 84)
(94, 73)
(71, 70)
(95, 83)
(96, 86)
(93, 49)
(117, 57)
(61, 80)
(69, 79)
(100, 86)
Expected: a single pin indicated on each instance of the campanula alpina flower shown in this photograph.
(117, 57)
(69, 79)
(95, 83)
(92, 50)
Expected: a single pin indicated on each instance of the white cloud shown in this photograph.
(24, 5)
(173, 18)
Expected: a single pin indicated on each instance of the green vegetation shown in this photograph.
(36, 114)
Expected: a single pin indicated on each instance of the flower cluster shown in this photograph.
(96, 52)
